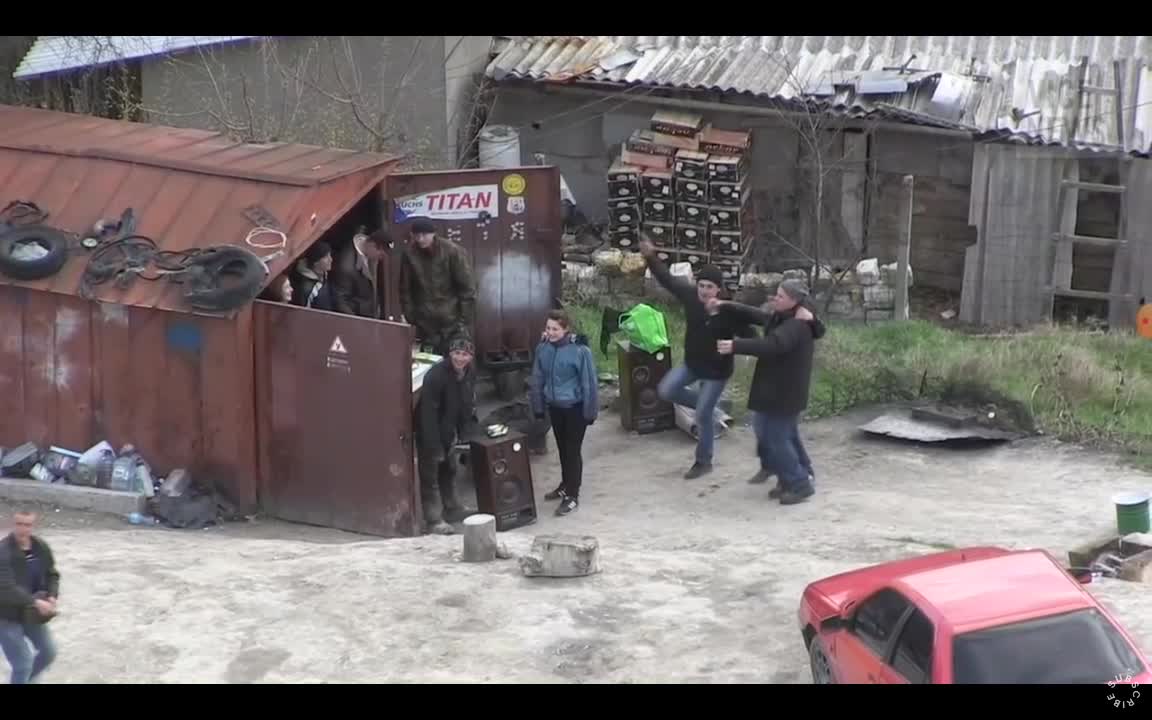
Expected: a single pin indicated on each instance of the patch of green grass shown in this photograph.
(1077, 385)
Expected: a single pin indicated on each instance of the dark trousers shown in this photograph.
(781, 450)
(568, 427)
(437, 485)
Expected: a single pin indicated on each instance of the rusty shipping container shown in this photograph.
(134, 365)
(509, 221)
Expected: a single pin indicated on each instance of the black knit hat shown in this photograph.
(711, 273)
(461, 344)
(423, 227)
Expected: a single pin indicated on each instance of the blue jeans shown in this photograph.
(14, 640)
(780, 449)
(674, 389)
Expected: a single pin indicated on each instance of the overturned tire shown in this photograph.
(205, 277)
(18, 267)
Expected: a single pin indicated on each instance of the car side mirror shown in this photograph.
(836, 622)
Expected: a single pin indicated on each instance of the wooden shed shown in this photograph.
(1057, 227)
(237, 400)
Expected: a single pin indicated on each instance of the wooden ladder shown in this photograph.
(1065, 239)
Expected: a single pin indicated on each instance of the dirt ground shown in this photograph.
(700, 584)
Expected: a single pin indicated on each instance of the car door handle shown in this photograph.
(871, 678)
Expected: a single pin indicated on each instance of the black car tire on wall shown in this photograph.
(51, 239)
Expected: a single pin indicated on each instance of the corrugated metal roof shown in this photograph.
(188, 188)
(972, 81)
(55, 53)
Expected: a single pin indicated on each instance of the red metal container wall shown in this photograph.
(517, 273)
(178, 387)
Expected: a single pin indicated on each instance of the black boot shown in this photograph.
(698, 470)
(797, 495)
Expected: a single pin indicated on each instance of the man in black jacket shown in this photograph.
(779, 392)
(443, 414)
(29, 586)
(354, 277)
(702, 363)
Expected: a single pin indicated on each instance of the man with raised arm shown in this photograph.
(703, 365)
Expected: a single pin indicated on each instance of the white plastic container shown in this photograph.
(499, 147)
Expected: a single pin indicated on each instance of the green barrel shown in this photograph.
(1131, 512)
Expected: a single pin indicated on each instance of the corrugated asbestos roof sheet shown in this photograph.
(1021, 83)
(188, 188)
(55, 53)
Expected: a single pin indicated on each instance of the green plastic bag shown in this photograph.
(644, 325)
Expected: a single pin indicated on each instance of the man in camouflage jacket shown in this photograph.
(437, 290)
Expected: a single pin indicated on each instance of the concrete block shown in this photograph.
(868, 271)
(72, 497)
(562, 556)
(879, 297)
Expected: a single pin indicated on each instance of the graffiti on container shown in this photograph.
(518, 231)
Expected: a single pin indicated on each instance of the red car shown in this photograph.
(979, 615)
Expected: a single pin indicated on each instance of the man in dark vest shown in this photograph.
(29, 587)
(444, 414)
(437, 289)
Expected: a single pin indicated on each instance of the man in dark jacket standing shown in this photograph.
(779, 392)
(443, 414)
(354, 278)
(29, 586)
(437, 290)
(702, 363)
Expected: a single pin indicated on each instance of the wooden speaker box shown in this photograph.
(642, 410)
(503, 478)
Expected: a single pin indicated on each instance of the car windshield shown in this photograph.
(1076, 647)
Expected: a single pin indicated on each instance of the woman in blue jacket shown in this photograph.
(565, 386)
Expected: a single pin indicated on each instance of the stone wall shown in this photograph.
(866, 293)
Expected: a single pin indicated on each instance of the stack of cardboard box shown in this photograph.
(682, 185)
(730, 214)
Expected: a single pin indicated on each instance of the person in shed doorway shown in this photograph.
(311, 288)
(29, 588)
(354, 289)
(437, 290)
(445, 413)
(279, 290)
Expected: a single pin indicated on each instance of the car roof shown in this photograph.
(986, 592)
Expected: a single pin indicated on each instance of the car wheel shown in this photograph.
(820, 664)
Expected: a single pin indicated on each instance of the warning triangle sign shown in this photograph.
(338, 346)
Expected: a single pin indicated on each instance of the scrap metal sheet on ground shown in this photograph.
(903, 424)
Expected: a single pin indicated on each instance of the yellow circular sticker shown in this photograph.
(513, 184)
